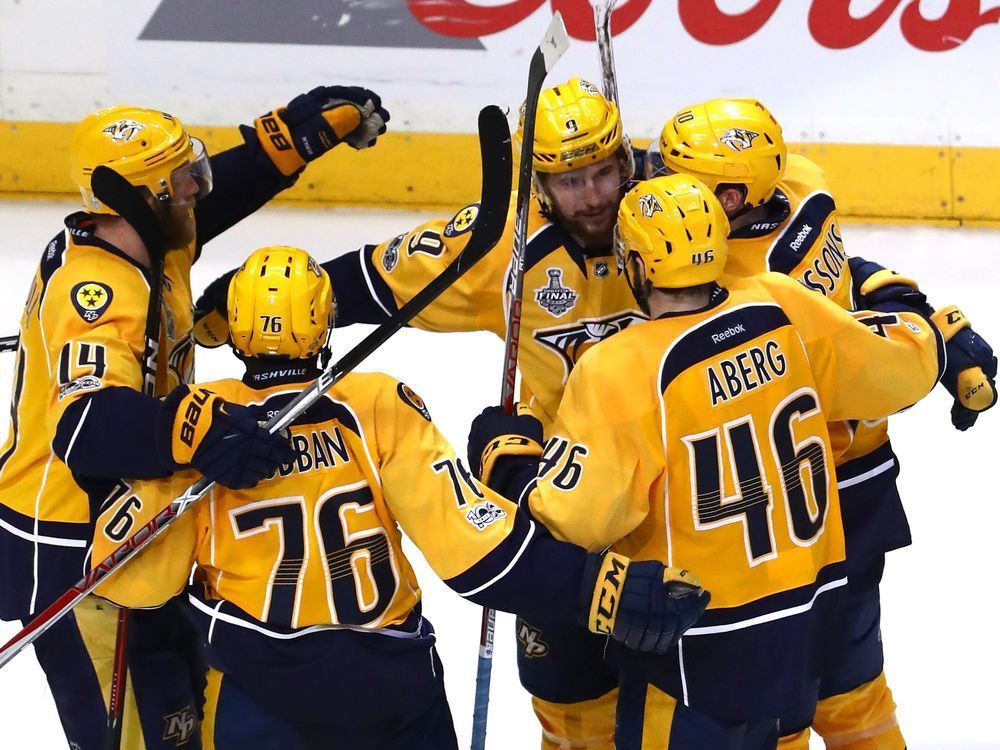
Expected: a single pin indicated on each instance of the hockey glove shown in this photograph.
(878, 288)
(223, 440)
(642, 605)
(314, 123)
(970, 376)
(211, 318)
(494, 433)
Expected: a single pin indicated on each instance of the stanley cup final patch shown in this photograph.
(91, 299)
(555, 298)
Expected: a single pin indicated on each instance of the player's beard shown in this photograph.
(178, 226)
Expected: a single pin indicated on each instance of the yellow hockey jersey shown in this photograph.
(318, 544)
(570, 302)
(83, 330)
(700, 440)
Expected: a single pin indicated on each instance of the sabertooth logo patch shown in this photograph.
(463, 221)
(391, 255)
(738, 139)
(572, 340)
(411, 399)
(555, 298)
(483, 514)
(648, 205)
(530, 640)
(179, 726)
(123, 131)
(91, 299)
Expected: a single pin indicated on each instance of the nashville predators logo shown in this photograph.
(738, 139)
(179, 726)
(572, 340)
(91, 299)
(462, 221)
(648, 205)
(123, 131)
(530, 640)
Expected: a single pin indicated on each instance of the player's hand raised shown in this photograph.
(315, 122)
(970, 375)
(211, 317)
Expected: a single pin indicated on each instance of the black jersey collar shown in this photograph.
(719, 295)
(263, 373)
(767, 218)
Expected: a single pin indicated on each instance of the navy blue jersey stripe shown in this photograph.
(800, 233)
(548, 241)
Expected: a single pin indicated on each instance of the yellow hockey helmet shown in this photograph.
(576, 126)
(280, 304)
(677, 228)
(723, 141)
(147, 147)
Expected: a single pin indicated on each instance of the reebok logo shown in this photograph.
(731, 331)
(796, 244)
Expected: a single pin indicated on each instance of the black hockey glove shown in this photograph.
(314, 123)
(495, 433)
(222, 440)
(970, 376)
(211, 316)
(877, 288)
(642, 605)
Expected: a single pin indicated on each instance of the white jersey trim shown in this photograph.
(880, 469)
(505, 571)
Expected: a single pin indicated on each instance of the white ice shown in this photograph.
(939, 621)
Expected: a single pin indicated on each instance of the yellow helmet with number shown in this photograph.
(677, 228)
(724, 141)
(147, 147)
(280, 304)
(576, 126)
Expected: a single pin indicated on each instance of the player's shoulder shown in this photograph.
(368, 391)
(802, 178)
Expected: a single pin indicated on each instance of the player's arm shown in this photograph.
(867, 364)
(100, 422)
(278, 147)
(490, 553)
(161, 571)
(970, 375)
(372, 283)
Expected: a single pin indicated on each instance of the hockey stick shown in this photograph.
(602, 31)
(116, 192)
(553, 45)
(9, 343)
(494, 143)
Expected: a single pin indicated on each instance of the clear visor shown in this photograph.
(191, 182)
(654, 165)
(598, 184)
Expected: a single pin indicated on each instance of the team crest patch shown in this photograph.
(179, 726)
(648, 205)
(530, 639)
(391, 256)
(483, 514)
(738, 139)
(91, 299)
(555, 298)
(463, 221)
(410, 398)
(123, 131)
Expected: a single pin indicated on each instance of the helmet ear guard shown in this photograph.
(723, 141)
(280, 304)
(147, 147)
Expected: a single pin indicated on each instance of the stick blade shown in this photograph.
(555, 42)
(127, 201)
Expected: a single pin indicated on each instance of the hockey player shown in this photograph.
(572, 299)
(80, 419)
(700, 439)
(309, 607)
(783, 219)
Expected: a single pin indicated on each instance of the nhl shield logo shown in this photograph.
(738, 139)
(123, 131)
(91, 299)
(648, 205)
(555, 298)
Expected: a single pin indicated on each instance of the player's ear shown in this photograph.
(731, 198)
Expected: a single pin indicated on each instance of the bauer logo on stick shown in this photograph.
(91, 299)
(738, 139)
